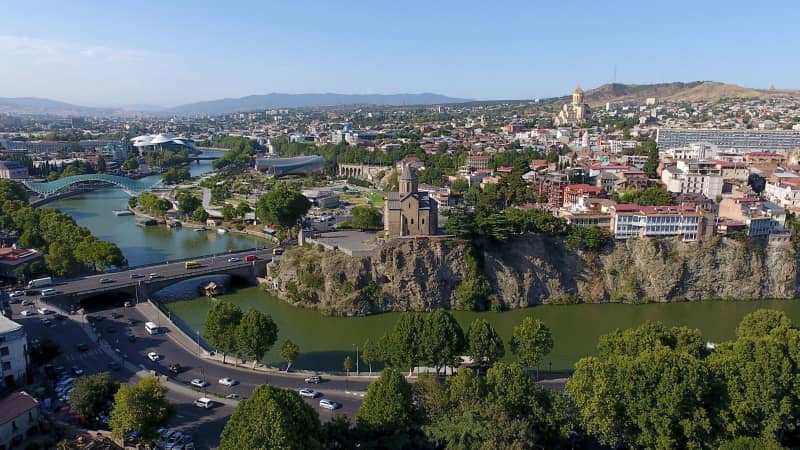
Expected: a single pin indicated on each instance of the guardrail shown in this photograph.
(192, 258)
(194, 335)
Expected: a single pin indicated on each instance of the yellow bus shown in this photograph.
(191, 264)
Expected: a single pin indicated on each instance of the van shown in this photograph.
(249, 258)
(48, 292)
(204, 402)
(152, 328)
(191, 264)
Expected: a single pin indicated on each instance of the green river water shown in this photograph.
(324, 341)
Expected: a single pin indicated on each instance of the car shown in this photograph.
(131, 338)
(136, 275)
(127, 304)
(197, 382)
(233, 397)
(132, 321)
(113, 365)
(204, 402)
(32, 292)
(228, 381)
(175, 368)
(154, 275)
(153, 356)
(27, 302)
(16, 294)
(77, 370)
(44, 311)
(316, 379)
(106, 280)
(46, 322)
(329, 404)
(100, 318)
(116, 315)
(82, 347)
(48, 292)
(234, 259)
(308, 392)
(59, 316)
(29, 312)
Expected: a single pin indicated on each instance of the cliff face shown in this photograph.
(422, 275)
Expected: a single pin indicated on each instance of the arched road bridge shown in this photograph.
(130, 186)
(136, 281)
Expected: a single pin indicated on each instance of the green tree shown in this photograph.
(591, 238)
(255, 335)
(242, 209)
(228, 211)
(762, 323)
(173, 176)
(370, 352)
(485, 345)
(187, 202)
(442, 339)
(141, 408)
(272, 419)
(348, 364)
(282, 206)
(200, 215)
(651, 166)
(531, 341)
(403, 345)
(387, 410)
(222, 321)
(289, 352)
(101, 164)
(748, 443)
(45, 351)
(130, 164)
(93, 395)
(366, 218)
(11, 190)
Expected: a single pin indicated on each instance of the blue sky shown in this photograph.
(170, 52)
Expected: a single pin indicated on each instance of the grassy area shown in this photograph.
(362, 199)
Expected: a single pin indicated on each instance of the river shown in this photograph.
(324, 341)
(145, 245)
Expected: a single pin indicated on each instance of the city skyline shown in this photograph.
(165, 55)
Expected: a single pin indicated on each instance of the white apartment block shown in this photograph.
(693, 177)
(13, 351)
(630, 221)
(786, 195)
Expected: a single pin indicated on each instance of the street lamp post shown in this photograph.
(198, 342)
(357, 371)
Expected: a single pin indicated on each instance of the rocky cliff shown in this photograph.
(535, 269)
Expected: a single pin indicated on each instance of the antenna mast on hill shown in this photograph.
(615, 73)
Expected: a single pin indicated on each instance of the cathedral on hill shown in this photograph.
(410, 212)
(576, 113)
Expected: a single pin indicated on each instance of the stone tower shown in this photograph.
(577, 97)
(408, 181)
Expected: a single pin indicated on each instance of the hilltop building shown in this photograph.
(410, 212)
(13, 353)
(575, 113)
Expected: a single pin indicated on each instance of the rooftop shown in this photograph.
(7, 325)
(15, 405)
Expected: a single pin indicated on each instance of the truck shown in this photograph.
(39, 282)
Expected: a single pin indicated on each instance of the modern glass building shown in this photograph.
(300, 165)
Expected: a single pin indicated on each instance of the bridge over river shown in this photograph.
(129, 185)
(136, 281)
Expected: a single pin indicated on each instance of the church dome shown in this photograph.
(578, 90)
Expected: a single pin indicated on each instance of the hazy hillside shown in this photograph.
(275, 100)
(692, 91)
(33, 105)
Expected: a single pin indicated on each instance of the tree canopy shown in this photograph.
(93, 395)
(140, 408)
(282, 206)
(222, 322)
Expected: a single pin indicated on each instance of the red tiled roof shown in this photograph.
(16, 405)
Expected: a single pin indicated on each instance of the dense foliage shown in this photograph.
(174, 176)
(282, 206)
(141, 408)
(153, 204)
(93, 395)
(652, 196)
(364, 218)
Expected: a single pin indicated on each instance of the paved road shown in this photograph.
(167, 271)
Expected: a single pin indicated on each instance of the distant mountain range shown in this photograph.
(612, 92)
(675, 92)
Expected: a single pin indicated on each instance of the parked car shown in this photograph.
(27, 302)
(316, 379)
(44, 311)
(127, 304)
(175, 368)
(16, 294)
(197, 382)
(204, 402)
(329, 404)
(227, 381)
(308, 392)
(233, 397)
(77, 370)
(153, 356)
(29, 312)
(46, 322)
(115, 315)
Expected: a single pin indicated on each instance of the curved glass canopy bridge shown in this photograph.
(130, 186)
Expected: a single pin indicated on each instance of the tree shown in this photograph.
(242, 209)
(200, 215)
(173, 176)
(387, 408)
(289, 352)
(255, 335)
(591, 238)
(272, 418)
(442, 339)
(485, 427)
(762, 323)
(348, 364)
(530, 341)
(370, 352)
(651, 165)
(282, 206)
(187, 202)
(757, 183)
(485, 345)
(11, 190)
(748, 443)
(93, 395)
(404, 342)
(228, 212)
(140, 408)
(652, 196)
(101, 164)
(222, 321)
(130, 164)
(366, 218)
(45, 351)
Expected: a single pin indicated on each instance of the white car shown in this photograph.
(329, 404)
(234, 259)
(29, 312)
(197, 382)
(16, 294)
(310, 393)
(155, 275)
(45, 311)
(106, 280)
(228, 381)
(204, 402)
(154, 356)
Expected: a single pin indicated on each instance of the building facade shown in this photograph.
(656, 221)
(13, 352)
(19, 419)
(409, 212)
(736, 141)
(575, 113)
(13, 170)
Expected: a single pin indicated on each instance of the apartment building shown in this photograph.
(785, 192)
(737, 141)
(13, 352)
(629, 221)
(759, 218)
(19, 419)
(694, 177)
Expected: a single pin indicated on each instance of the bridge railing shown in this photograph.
(191, 258)
(183, 326)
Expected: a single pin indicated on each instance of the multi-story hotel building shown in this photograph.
(735, 141)
(629, 221)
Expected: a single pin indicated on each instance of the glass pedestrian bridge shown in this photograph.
(130, 186)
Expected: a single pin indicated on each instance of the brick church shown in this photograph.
(410, 212)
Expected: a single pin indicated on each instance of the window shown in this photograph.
(3, 351)
(6, 365)
(412, 221)
(423, 221)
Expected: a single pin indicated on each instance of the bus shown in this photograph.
(191, 264)
(152, 328)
